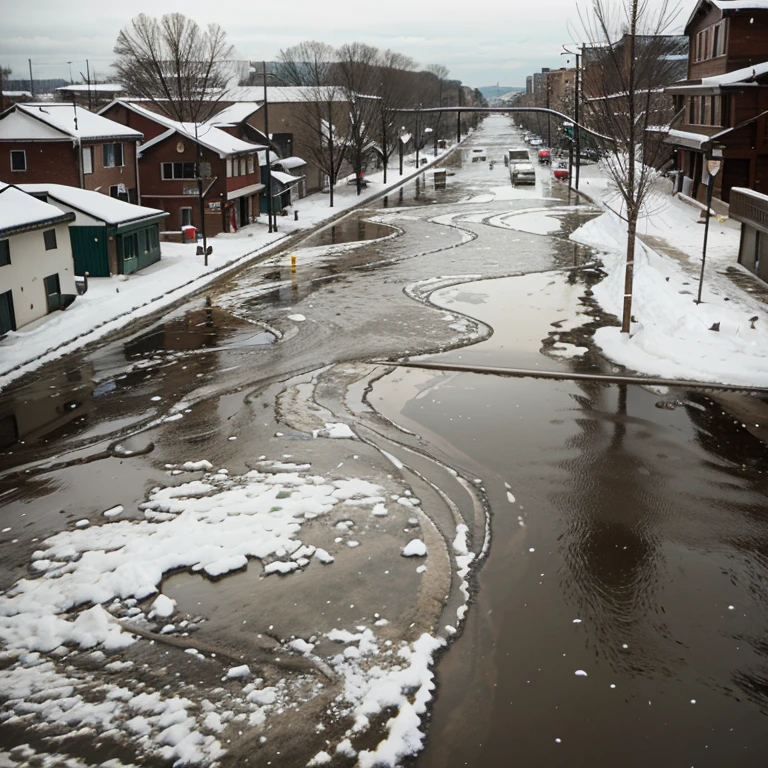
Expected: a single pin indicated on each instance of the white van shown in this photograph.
(523, 173)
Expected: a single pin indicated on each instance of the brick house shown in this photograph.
(231, 178)
(724, 99)
(66, 144)
(293, 125)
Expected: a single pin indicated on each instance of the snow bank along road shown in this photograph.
(222, 544)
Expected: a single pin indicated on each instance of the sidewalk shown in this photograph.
(674, 336)
(112, 303)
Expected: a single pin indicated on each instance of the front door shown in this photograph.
(244, 219)
(7, 318)
(53, 292)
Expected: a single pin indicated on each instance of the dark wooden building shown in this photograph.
(724, 100)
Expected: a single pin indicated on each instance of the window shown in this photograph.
(718, 39)
(251, 164)
(49, 236)
(18, 160)
(186, 217)
(5, 252)
(87, 160)
(229, 167)
(113, 155)
(243, 166)
(171, 171)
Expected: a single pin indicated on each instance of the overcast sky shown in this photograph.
(481, 42)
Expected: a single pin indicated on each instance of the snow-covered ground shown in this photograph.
(112, 303)
(673, 336)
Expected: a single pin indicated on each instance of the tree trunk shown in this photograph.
(629, 271)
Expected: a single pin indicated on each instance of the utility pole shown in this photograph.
(331, 173)
(199, 174)
(577, 129)
(269, 162)
(88, 72)
(384, 141)
(31, 81)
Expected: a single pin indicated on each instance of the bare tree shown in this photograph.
(627, 63)
(441, 74)
(181, 68)
(356, 74)
(395, 92)
(323, 138)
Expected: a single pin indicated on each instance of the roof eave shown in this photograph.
(33, 226)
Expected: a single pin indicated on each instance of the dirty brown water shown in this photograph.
(631, 525)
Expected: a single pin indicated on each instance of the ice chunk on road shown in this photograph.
(415, 548)
(163, 606)
(196, 466)
(323, 556)
(113, 511)
(242, 671)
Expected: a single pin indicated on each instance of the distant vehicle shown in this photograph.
(523, 173)
(527, 137)
(544, 157)
(478, 154)
(536, 142)
(518, 155)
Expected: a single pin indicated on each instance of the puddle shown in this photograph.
(352, 229)
(525, 313)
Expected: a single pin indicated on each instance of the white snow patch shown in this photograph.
(415, 548)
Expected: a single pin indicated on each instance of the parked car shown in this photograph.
(523, 173)
(478, 154)
(518, 155)
(536, 142)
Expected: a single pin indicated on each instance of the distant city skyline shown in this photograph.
(480, 45)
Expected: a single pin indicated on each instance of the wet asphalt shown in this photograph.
(629, 541)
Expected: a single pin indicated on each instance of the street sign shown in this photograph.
(713, 167)
(190, 191)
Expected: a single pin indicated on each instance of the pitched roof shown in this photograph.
(108, 209)
(234, 113)
(280, 95)
(743, 76)
(20, 212)
(56, 121)
(727, 6)
(207, 134)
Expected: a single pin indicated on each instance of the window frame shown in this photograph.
(87, 152)
(174, 166)
(23, 153)
(182, 210)
(110, 153)
(48, 236)
(5, 252)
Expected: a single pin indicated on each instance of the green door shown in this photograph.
(128, 253)
(89, 250)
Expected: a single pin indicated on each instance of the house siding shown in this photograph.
(54, 161)
(30, 265)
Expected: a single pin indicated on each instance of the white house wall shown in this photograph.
(30, 264)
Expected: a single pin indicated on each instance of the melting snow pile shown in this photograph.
(673, 336)
(213, 525)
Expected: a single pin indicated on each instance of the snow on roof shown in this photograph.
(289, 162)
(278, 95)
(17, 94)
(738, 75)
(687, 138)
(61, 118)
(109, 209)
(234, 113)
(93, 88)
(206, 134)
(284, 178)
(18, 209)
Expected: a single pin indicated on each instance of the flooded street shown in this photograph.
(592, 557)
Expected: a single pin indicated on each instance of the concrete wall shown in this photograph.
(30, 264)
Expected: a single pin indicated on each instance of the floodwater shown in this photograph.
(620, 618)
(349, 230)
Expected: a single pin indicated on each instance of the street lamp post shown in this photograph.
(576, 99)
(714, 163)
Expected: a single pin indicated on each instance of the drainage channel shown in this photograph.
(575, 376)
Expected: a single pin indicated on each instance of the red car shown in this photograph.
(544, 156)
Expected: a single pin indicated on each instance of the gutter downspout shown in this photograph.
(136, 167)
(79, 151)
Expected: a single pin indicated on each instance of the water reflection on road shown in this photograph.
(630, 546)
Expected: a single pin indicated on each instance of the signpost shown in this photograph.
(714, 162)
